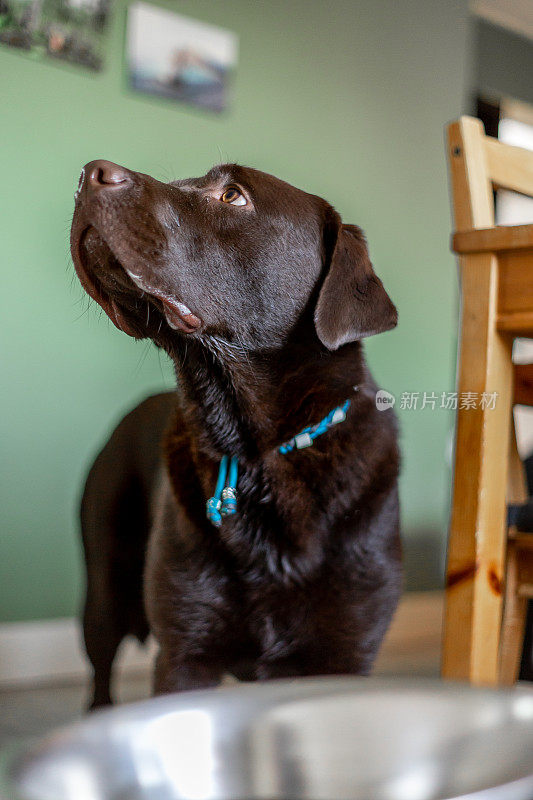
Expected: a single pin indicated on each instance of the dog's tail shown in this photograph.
(115, 525)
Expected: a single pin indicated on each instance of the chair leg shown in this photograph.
(526, 667)
(515, 606)
(514, 621)
(478, 529)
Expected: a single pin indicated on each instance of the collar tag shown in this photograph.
(339, 415)
(302, 440)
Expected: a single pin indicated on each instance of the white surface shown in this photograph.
(52, 650)
(512, 208)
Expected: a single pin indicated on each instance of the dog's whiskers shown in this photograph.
(224, 350)
(142, 358)
(83, 313)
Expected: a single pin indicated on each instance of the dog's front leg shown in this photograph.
(172, 676)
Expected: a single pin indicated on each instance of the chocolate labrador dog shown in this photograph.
(269, 518)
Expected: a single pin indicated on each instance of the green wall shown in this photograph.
(345, 99)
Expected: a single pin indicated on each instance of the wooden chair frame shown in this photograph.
(496, 275)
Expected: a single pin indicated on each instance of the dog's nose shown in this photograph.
(98, 175)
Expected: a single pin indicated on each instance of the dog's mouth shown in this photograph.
(125, 296)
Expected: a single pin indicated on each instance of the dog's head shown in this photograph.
(237, 254)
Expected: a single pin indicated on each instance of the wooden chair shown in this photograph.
(490, 567)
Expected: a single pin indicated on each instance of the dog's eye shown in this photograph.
(233, 196)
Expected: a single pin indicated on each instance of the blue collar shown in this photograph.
(224, 501)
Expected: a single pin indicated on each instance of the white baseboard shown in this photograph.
(52, 650)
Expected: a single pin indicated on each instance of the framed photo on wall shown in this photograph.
(65, 30)
(183, 59)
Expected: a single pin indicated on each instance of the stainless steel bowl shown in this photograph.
(323, 739)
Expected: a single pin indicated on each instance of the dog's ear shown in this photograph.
(352, 302)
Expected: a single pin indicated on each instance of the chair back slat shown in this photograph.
(509, 167)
